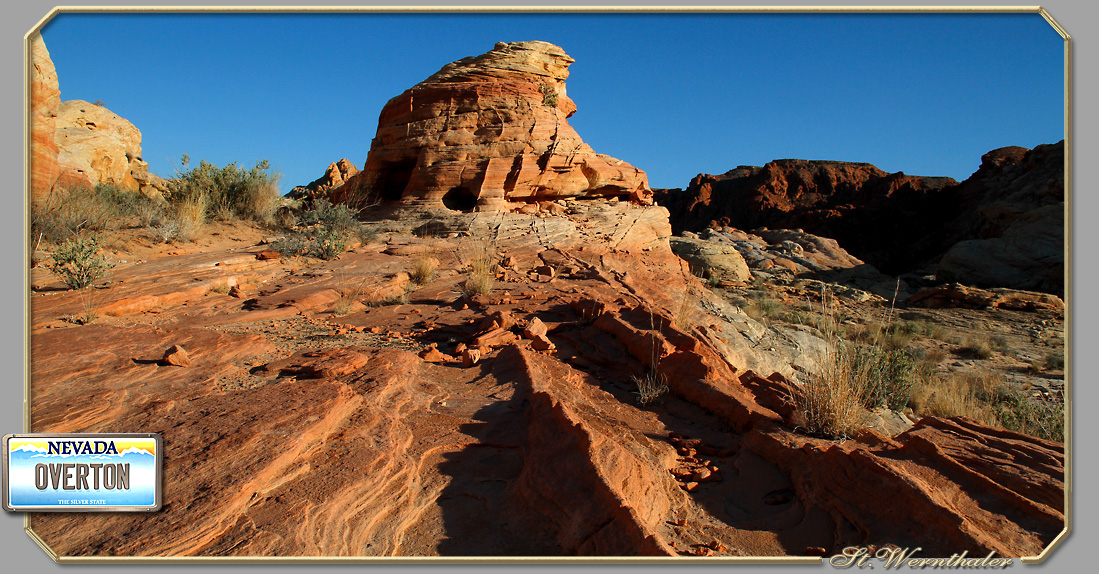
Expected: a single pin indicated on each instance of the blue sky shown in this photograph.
(673, 94)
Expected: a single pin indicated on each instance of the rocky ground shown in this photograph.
(336, 408)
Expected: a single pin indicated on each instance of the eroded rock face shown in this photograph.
(485, 131)
(45, 100)
(98, 146)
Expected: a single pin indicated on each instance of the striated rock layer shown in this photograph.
(45, 101)
(499, 424)
(485, 131)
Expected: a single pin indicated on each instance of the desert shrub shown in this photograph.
(149, 212)
(65, 212)
(888, 374)
(329, 243)
(549, 95)
(76, 262)
(1041, 417)
(291, 244)
(229, 192)
(331, 226)
(325, 231)
(324, 213)
(650, 387)
(974, 350)
(1054, 360)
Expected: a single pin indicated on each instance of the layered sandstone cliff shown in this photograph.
(485, 132)
(45, 101)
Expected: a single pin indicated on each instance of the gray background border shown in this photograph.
(1078, 18)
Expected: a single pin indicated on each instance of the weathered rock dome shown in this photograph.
(487, 130)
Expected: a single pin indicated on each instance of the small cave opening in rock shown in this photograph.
(395, 179)
(460, 198)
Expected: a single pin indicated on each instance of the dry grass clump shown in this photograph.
(90, 304)
(650, 387)
(762, 308)
(687, 310)
(64, 213)
(831, 400)
(966, 395)
(424, 266)
(985, 396)
(187, 218)
(351, 292)
(481, 254)
(852, 377)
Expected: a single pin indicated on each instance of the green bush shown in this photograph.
(77, 264)
(329, 243)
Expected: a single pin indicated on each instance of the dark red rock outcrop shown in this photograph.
(873, 214)
(1009, 228)
(1002, 227)
(485, 131)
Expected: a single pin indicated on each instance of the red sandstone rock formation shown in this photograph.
(45, 101)
(485, 131)
(1008, 227)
